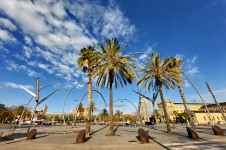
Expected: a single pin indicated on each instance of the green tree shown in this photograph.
(104, 114)
(113, 67)
(81, 111)
(118, 114)
(87, 61)
(157, 74)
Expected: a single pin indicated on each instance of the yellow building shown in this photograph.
(202, 116)
(177, 107)
(197, 109)
(83, 114)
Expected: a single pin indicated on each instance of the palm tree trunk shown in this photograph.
(165, 110)
(89, 103)
(185, 105)
(111, 126)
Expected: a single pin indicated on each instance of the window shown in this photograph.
(218, 118)
(205, 118)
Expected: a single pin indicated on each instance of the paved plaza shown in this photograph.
(61, 137)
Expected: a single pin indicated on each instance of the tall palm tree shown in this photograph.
(113, 67)
(176, 62)
(87, 62)
(156, 74)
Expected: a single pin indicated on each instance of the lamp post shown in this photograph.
(99, 105)
(75, 114)
(122, 112)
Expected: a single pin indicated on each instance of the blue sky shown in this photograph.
(43, 38)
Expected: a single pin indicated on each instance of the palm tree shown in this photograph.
(118, 114)
(81, 110)
(113, 67)
(87, 61)
(104, 114)
(156, 74)
(92, 107)
(175, 62)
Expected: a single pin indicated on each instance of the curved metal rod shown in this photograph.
(54, 85)
(66, 98)
(33, 97)
(139, 104)
(139, 53)
(24, 109)
(83, 98)
(200, 97)
(115, 101)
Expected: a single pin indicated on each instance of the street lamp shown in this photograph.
(75, 114)
(122, 112)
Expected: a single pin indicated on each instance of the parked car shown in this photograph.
(58, 124)
(220, 122)
(47, 123)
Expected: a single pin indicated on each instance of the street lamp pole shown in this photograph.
(75, 114)
(99, 105)
(122, 112)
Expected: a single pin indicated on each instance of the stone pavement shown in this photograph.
(54, 138)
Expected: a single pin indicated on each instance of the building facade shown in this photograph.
(145, 109)
(198, 111)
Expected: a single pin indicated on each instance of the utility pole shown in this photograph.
(217, 103)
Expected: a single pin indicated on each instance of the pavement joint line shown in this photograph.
(174, 144)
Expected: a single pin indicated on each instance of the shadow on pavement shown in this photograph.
(98, 130)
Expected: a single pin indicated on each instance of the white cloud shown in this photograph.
(180, 56)
(193, 71)
(7, 24)
(14, 85)
(143, 56)
(6, 36)
(220, 95)
(24, 13)
(28, 40)
(115, 24)
(186, 84)
(192, 60)
(106, 21)
(12, 66)
(27, 51)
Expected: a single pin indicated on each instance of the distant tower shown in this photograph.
(45, 109)
(145, 108)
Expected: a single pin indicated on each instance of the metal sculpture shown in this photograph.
(143, 136)
(33, 97)
(81, 102)
(66, 98)
(192, 134)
